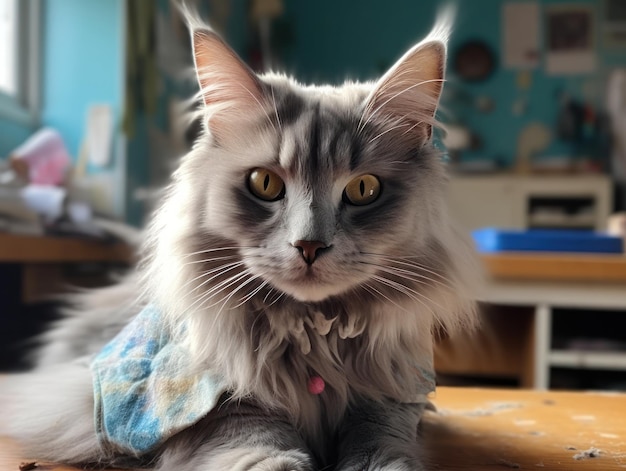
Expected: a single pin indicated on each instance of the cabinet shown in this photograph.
(512, 202)
(533, 328)
(547, 300)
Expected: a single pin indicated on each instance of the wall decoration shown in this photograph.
(570, 39)
(532, 140)
(521, 34)
(474, 61)
(614, 24)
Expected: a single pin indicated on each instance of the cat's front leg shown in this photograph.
(381, 437)
(238, 437)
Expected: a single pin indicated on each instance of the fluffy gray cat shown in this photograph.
(290, 286)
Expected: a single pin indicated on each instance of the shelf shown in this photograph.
(586, 359)
(565, 222)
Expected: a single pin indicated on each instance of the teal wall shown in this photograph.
(338, 40)
(83, 63)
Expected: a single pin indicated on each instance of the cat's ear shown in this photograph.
(231, 91)
(409, 92)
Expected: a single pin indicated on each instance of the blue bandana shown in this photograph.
(144, 391)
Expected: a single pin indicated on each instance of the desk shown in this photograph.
(490, 430)
(42, 258)
(34, 249)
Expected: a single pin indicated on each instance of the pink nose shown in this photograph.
(309, 249)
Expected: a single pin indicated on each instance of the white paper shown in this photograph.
(521, 34)
(570, 63)
(45, 200)
(99, 134)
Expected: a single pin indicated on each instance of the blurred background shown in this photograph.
(91, 93)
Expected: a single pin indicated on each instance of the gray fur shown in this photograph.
(91, 320)
(362, 316)
(239, 437)
(381, 435)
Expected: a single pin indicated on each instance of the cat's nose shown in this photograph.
(309, 249)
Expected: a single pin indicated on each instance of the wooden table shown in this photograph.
(36, 249)
(491, 429)
(42, 259)
(560, 267)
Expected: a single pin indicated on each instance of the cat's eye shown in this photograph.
(362, 190)
(266, 185)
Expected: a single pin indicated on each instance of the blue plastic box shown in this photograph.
(540, 240)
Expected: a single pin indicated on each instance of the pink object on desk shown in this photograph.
(43, 159)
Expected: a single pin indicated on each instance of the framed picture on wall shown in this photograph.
(570, 39)
(614, 24)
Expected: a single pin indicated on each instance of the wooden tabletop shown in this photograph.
(38, 249)
(486, 429)
(552, 266)
(491, 429)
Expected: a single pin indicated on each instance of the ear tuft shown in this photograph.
(230, 90)
(408, 94)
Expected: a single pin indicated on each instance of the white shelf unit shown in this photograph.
(588, 360)
(506, 201)
(544, 298)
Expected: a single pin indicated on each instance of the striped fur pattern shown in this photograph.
(362, 316)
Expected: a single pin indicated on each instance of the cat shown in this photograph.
(289, 289)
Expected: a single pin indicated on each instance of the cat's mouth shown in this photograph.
(310, 285)
(315, 281)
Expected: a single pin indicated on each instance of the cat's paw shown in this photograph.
(281, 461)
(237, 459)
(378, 463)
(261, 459)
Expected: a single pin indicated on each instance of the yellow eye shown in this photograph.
(266, 185)
(362, 190)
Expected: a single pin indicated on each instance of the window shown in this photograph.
(8, 45)
(19, 60)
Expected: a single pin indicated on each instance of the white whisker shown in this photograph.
(412, 127)
(227, 298)
(219, 288)
(216, 249)
(267, 295)
(260, 106)
(408, 275)
(410, 293)
(415, 264)
(209, 260)
(378, 136)
(383, 296)
(221, 269)
(250, 295)
(280, 295)
(372, 114)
